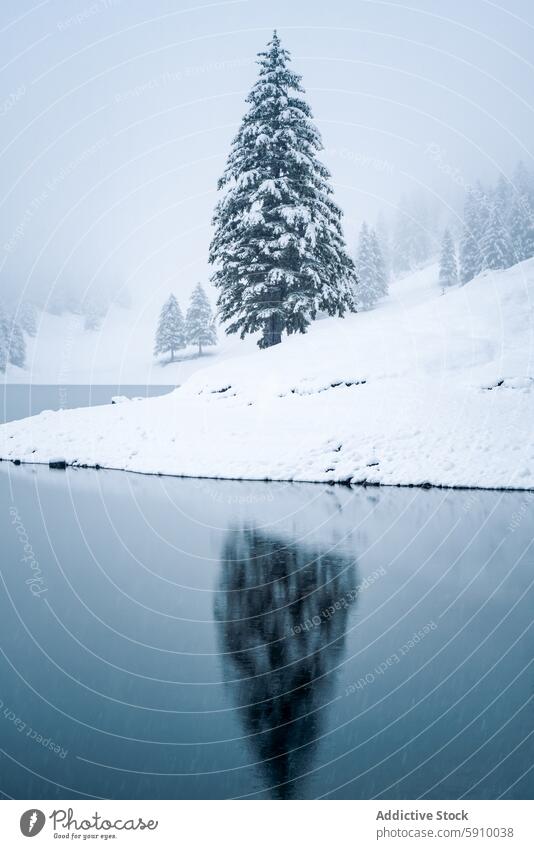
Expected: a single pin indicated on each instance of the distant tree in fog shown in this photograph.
(494, 241)
(470, 259)
(170, 332)
(370, 269)
(12, 344)
(3, 341)
(448, 269)
(17, 345)
(93, 311)
(27, 317)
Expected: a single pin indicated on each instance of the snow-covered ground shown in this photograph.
(426, 388)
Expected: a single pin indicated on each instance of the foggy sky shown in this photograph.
(117, 117)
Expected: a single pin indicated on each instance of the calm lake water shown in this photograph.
(166, 638)
(18, 401)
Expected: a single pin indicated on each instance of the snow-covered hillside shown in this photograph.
(426, 388)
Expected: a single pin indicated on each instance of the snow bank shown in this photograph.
(424, 389)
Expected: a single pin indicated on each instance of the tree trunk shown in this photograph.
(272, 334)
(200, 349)
(172, 355)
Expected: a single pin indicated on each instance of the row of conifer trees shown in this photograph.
(174, 333)
(497, 231)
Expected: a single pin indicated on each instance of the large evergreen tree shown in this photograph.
(278, 246)
(199, 323)
(170, 333)
(448, 269)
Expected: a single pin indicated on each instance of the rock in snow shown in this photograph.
(397, 395)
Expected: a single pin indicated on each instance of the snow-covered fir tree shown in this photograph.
(370, 268)
(494, 242)
(278, 246)
(199, 323)
(170, 332)
(448, 268)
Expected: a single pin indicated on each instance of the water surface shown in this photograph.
(166, 638)
(19, 400)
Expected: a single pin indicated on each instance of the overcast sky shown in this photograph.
(117, 117)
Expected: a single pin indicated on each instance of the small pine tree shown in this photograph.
(170, 333)
(199, 323)
(448, 269)
(278, 245)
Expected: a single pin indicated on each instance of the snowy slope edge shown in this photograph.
(424, 389)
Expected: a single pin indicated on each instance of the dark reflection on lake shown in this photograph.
(283, 618)
(165, 638)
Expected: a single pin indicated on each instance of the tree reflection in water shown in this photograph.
(282, 615)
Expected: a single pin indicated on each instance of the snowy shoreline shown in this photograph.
(424, 390)
(356, 484)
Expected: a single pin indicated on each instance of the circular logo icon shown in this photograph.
(32, 822)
